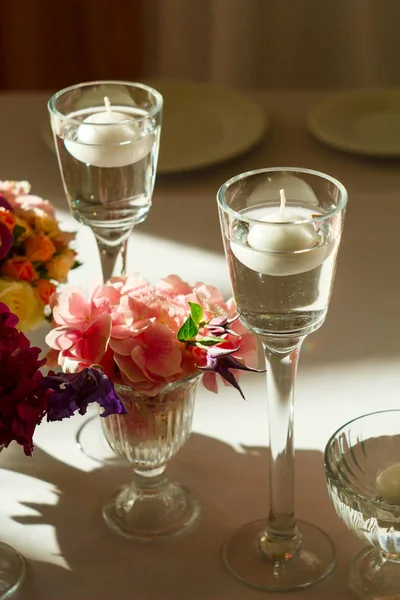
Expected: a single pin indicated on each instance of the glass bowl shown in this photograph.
(366, 497)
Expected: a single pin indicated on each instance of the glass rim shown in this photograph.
(167, 387)
(344, 487)
(157, 108)
(317, 218)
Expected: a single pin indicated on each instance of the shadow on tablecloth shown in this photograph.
(232, 486)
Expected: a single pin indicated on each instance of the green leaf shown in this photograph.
(197, 312)
(76, 265)
(41, 271)
(209, 340)
(188, 331)
(18, 231)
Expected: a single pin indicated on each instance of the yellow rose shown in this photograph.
(45, 223)
(59, 266)
(22, 299)
(39, 220)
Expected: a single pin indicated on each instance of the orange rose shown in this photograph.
(19, 267)
(39, 248)
(59, 265)
(7, 218)
(45, 289)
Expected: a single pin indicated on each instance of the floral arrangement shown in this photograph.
(34, 253)
(146, 336)
(27, 396)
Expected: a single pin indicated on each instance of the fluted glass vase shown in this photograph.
(12, 568)
(151, 507)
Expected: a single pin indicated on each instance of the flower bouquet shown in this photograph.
(34, 253)
(147, 336)
(26, 397)
(155, 343)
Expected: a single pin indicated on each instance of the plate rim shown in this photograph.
(352, 148)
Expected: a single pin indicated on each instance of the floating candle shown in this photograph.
(278, 246)
(109, 139)
(388, 484)
(282, 237)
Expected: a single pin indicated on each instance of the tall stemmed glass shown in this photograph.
(107, 139)
(281, 229)
(107, 136)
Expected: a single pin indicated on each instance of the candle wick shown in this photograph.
(108, 105)
(283, 204)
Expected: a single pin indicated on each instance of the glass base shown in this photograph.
(314, 561)
(373, 578)
(91, 442)
(148, 515)
(12, 571)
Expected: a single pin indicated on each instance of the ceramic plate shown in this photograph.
(365, 122)
(203, 125)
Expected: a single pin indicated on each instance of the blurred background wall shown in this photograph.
(243, 43)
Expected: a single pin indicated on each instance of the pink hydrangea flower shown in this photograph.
(82, 331)
(131, 328)
(150, 359)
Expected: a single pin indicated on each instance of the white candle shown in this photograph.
(106, 139)
(285, 248)
(388, 484)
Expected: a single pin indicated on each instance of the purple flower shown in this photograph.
(6, 240)
(220, 326)
(73, 392)
(5, 204)
(220, 360)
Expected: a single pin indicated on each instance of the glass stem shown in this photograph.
(113, 259)
(281, 539)
(149, 480)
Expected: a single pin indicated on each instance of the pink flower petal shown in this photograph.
(211, 293)
(130, 369)
(79, 308)
(62, 338)
(123, 346)
(210, 382)
(173, 286)
(97, 338)
(61, 308)
(163, 351)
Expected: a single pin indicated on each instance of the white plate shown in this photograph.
(364, 122)
(203, 125)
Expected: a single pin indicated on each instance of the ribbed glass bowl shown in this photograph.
(354, 458)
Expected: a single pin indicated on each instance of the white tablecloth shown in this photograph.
(51, 504)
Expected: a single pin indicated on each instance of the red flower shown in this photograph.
(23, 402)
(6, 240)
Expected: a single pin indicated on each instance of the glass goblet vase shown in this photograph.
(107, 137)
(363, 476)
(152, 431)
(12, 569)
(281, 230)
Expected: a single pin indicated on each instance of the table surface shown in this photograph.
(51, 504)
